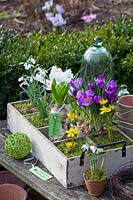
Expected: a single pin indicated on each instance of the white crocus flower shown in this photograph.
(56, 73)
(93, 149)
(68, 75)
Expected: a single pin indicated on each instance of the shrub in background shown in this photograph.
(64, 50)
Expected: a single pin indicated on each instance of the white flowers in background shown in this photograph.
(40, 75)
(59, 76)
(30, 63)
(54, 13)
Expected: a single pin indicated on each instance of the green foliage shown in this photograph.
(37, 120)
(64, 50)
(17, 145)
(98, 174)
(103, 139)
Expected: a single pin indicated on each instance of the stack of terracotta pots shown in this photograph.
(125, 115)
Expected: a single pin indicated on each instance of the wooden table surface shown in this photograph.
(50, 189)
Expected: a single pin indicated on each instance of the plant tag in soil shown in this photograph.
(37, 171)
(54, 124)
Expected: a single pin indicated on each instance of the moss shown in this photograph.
(71, 152)
(37, 120)
(103, 139)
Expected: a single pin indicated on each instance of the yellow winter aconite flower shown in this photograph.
(104, 110)
(71, 116)
(103, 101)
(72, 132)
(112, 106)
(70, 145)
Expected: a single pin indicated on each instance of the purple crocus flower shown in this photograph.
(84, 99)
(111, 95)
(97, 99)
(112, 85)
(100, 81)
(76, 83)
(91, 86)
(80, 94)
(59, 9)
(89, 93)
(89, 18)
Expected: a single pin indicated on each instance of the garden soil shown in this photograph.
(25, 16)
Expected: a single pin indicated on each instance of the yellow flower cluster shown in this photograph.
(106, 109)
(72, 132)
(72, 116)
(70, 144)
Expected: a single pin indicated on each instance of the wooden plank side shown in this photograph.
(43, 149)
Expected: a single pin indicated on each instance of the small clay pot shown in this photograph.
(33, 195)
(8, 177)
(95, 188)
(12, 192)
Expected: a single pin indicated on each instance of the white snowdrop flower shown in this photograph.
(39, 78)
(27, 66)
(31, 79)
(85, 147)
(21, 79)
(93, 149)
(32, 60)
(24, 83)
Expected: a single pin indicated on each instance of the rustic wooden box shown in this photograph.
(67, 170)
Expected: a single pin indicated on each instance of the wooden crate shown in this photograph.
(67, 170)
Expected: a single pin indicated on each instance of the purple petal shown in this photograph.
(100, 81)
(97, 99)
(89, 93)
(76, 83)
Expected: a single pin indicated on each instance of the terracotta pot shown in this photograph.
(95, 188)
(125, 124)
(8, 177)
(33, 195)
(12, 192)
(125, 104)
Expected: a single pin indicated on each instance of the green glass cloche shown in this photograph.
(96, 60)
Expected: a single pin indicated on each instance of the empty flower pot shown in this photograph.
(8, 177)
(12, 192)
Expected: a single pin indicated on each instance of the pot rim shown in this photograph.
(122, 104)
(119, 115)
